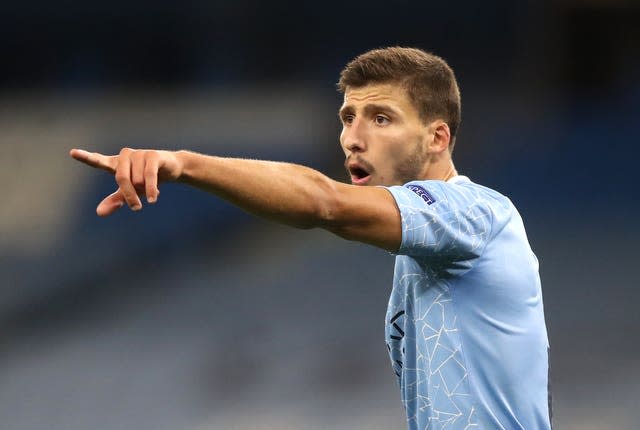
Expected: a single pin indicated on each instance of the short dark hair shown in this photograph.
(427, 78)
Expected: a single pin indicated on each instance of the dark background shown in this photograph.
(194, 315)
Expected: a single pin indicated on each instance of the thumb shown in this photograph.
(110, 204)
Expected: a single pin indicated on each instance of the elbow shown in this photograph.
(324, 210)
(323, 206)
(330, 208)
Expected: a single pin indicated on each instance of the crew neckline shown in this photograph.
(458, 179)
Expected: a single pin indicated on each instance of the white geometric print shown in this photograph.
(467, 243)
(433, 378)
(439, 242)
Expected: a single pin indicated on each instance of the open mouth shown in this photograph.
(359, 175)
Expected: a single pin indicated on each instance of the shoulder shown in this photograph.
(465, 187)
(458, 192)
(450, 220)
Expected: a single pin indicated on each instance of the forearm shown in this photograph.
(284, 192)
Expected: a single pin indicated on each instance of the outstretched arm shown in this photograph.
(284, 192)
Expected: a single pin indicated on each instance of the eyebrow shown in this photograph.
(369, 109)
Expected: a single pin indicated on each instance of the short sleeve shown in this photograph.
(442, 221)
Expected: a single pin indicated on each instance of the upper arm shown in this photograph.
(442, 221)
(421, 219)
(365, 214)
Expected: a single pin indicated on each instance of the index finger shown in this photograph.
(95, 159)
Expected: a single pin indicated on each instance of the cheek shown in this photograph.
(387, 159)
(342, 146)
(395, 151)
(399, 157)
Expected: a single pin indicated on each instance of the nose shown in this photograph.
(353, 137)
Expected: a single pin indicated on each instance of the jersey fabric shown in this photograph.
(465, 324)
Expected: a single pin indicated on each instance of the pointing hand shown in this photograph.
(137, 173)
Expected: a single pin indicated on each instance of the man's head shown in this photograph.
(427, 78)
(400, 103)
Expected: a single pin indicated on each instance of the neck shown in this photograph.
(440, 170)
(451, 172)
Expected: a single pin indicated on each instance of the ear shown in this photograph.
(441, 136)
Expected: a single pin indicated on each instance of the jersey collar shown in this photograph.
(458, 179)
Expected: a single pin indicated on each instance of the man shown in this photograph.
(465, 325)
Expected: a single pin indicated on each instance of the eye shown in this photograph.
(382, 120)
(347, 119)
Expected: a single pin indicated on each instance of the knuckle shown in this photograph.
(126, 151)
(121, 178)
(137, 181)
(149, 172)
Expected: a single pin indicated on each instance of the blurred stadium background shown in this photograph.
(193, 315)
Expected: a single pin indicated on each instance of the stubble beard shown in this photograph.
(411, 167)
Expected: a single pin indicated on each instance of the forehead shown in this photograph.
(376, 92)
(387, 93)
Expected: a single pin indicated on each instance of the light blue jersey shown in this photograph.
(465, 325)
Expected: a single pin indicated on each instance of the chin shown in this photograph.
(382, 182)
